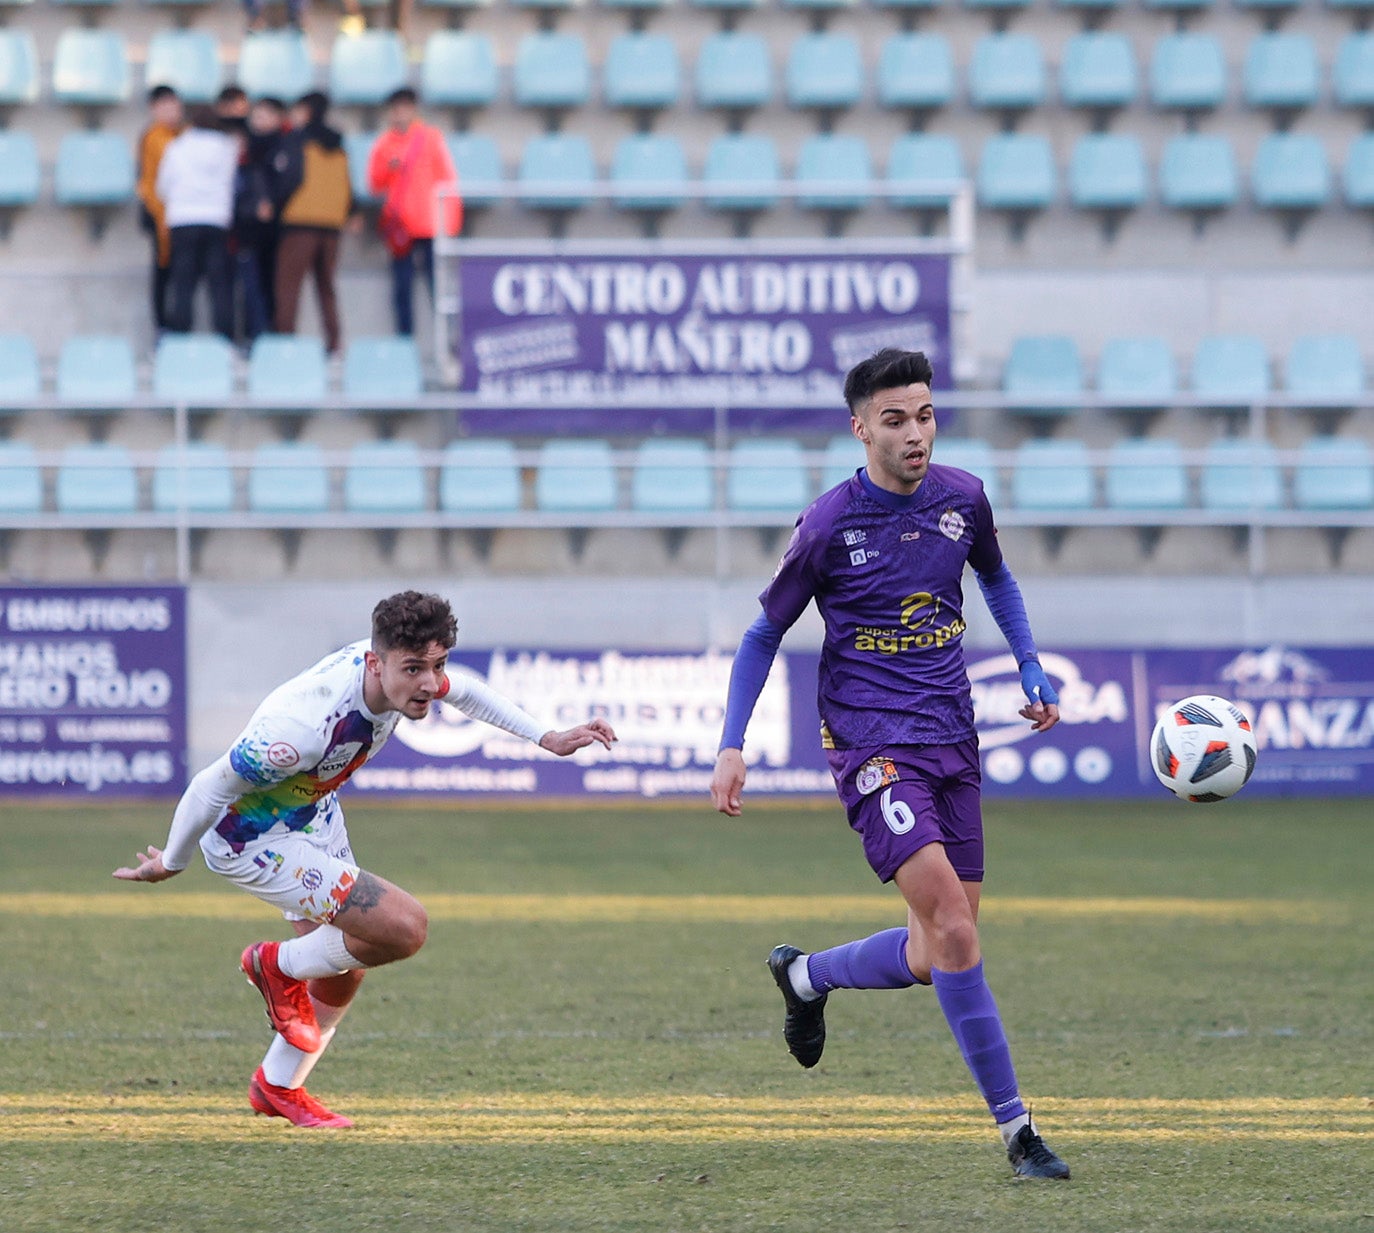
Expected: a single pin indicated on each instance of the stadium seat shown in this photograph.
(741, 171)
(1187, 73)
(642, 72)
(545, 5)
(727, 6)
(200, 480)
(1052, 475)
(193, 368)
(1269, 9)
(384, 477)
(358, 149)
(824, 72)
(1198, 172)
(843, 456)
(1325, 367)
(18, 68)
(926, 167)
(1138, 369)
(1181, 8)
(96, 370)
(94, 169)
(479, 477)
(275, 63)
(459, 70)
(1098, 72)
(1230, 368)
(1357, 179)
(20, 176)
(648, 172)
(287, 371)
(672, 475)
(916, 72)
(90, 68)
(973, 456)
(1281, 72)
(575, 477)
(478, 163)
(834, 172)
(1333, 473)
(556, 172)
(998, 8)
(820, 5)
(1091, 10)
(1352, 73)
(1045, 366)
(1006, 73)
(288, 477)
(20, 382)
(1107, 172)
(636, 8)
(734, 72)
(1143, 473)
(551, 70)
(767, 477)
(365, 68)
(1362, 9)
(96, 479)
(1291, 172)
(21, 479)
(188, 61)
(908, 11)
(385, 369)
(1241, 474)
(1016, 172)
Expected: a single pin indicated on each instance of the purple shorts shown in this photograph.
(902, 797)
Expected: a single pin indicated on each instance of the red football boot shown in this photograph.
(288, 1003)
(295, 1104)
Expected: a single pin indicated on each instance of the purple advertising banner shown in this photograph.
(92, 690)
(686, 324)
(1312, 711)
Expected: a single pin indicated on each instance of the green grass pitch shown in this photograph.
(590, 1039)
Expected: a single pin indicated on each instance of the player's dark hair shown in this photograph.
(160, 92)
(411, 621)
(888, 369)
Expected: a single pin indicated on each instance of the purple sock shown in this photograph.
(878, 962)
(972, 1014)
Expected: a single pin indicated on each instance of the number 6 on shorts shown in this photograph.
(897, 814)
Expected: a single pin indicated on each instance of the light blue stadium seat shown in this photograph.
(358, 149)
(20, 382)
(90, 68)
(1231, 367)
(551, 70)
(1325, 366)
(1007, 73)
(575, 477)
(916, 72)
(1240, 474)
(1187, 73)
(277, 63)
(1107, 172)
(1098, 72)
(1016, 172)
(649, 172)
(1268, 7)
(96, 370)
(193, 368)
(1334, 473)
(742, 172)
(459, 70)
(365, 68)
(557, 172)
(18, 67)
(20, 175)
(907, 10)
(642, 72)
(767, 477)
(1091, 8)
(843, 456)
(1138, 368)
(1360, 8)
(833, 172)
(385, 368)
(1143, 473)
(288, 477)
(727, 5)
(1357, 179)
(636, 6)
(200, 480)
(188, 61)
(971, 455)
(94, 169)
(1281, 72)
(672, 475)
(1180, 7)
(1291, 172)
(96, 479)
(1052, 475)
(21, 479)
(820, 5)
(1352, 73)
(734, 71)
(1044, 366)
(1198, 171)
(924, 166)
(384, 477)
(479, 477)
(824, 71)
(287, 371)
(998, 8)
(478, 163)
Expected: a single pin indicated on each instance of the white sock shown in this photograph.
(1012, 1128)
(319, 953)
(800, 980)
(286, 1066)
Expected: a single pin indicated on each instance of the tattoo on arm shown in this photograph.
(367, 892)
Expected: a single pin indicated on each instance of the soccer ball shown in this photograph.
(1202, 749)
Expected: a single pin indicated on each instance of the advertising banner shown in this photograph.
(92, 690)
(686, 324)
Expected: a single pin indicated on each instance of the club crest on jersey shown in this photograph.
(952, 524)
(874, 774)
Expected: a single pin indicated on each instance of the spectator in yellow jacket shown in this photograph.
(165, 121)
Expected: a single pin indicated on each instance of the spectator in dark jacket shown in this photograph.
(255, 215)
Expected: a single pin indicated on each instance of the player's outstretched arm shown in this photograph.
(570, 740)
(149, 868)
(727, 783)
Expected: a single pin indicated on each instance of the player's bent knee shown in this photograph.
(415, 930)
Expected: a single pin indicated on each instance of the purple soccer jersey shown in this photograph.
(886, 572)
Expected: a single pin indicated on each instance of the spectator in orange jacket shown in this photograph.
(408, 164)
(164, 123)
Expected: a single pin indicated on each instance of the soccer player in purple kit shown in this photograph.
(883, 556)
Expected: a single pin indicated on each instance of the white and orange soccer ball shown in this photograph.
(1203, 749)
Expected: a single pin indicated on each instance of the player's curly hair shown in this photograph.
(411, 621)
(888, 369)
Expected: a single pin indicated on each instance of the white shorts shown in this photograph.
(305, 874)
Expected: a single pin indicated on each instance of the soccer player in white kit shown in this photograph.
(267, 817)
